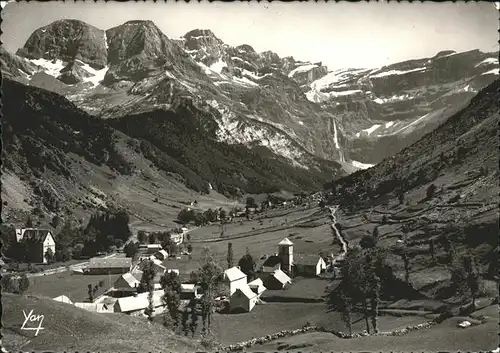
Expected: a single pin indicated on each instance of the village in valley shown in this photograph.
(272, 267)
(165, 276)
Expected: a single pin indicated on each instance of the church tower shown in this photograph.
(285, 253)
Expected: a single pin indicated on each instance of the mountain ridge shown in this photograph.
(401, 101)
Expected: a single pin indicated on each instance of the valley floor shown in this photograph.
(309, 230)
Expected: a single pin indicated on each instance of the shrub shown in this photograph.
(368, 241)
(24, 284)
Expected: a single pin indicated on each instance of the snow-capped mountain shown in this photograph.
(296, 109)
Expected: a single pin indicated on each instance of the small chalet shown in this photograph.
(153, 248)
(94, 307)
(277, 280)
(243, 299)
(39, 241)
(271, 264)
(234, 278)
(157, 264)
(118, 265)
(188, 291)
(126, 283)
(138, 303)
(63, 299)
(309, 265)
(257, 286)
(161, 255)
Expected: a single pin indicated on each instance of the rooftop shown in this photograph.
(285, 241)
(306, 259)
(120, 262)
(272, 261)
(233, 274)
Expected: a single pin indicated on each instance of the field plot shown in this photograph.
(445, 337)
(301, 288)
(274, 317)
(65, 283)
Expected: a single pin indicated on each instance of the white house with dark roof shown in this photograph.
(309, 265)
(243, 299)
(234, 278)
(39, 241)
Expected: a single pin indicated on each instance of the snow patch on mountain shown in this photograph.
(361, 165)
(492, 72)
(233, 131)
(368, 131)
(488, 61)
(218, 66)
(392, 99)
(397, 72)
(302, 68)
(96, 75)
(106, 41)
(244, 81)
(51, 67)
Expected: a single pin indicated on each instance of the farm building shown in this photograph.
(109, 265)
(63, 299)
(234, 278)
(38, 241)
(309, 265)
(243, 299)
(189, 291)
(177, 272)
(271, 264)
(126, 283)
(157, 264)
(138, 302)
(257, 286)
(94, 307)
(277, 280)
(153, 248)
(162, 255)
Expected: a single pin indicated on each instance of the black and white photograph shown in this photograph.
(249, 176)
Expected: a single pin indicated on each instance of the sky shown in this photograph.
(340, 35)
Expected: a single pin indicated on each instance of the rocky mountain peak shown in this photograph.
(204, 46)
(137, 48)
(67, 40)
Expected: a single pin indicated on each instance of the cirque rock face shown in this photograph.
(67, 40)
(295, 108)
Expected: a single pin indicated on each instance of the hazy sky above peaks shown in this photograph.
(338, 34)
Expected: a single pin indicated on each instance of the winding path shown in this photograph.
(336, 233)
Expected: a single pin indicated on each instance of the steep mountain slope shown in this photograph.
(295, 108)
(58, 159)
(449, 180)
(66, 327)
(458, 148)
